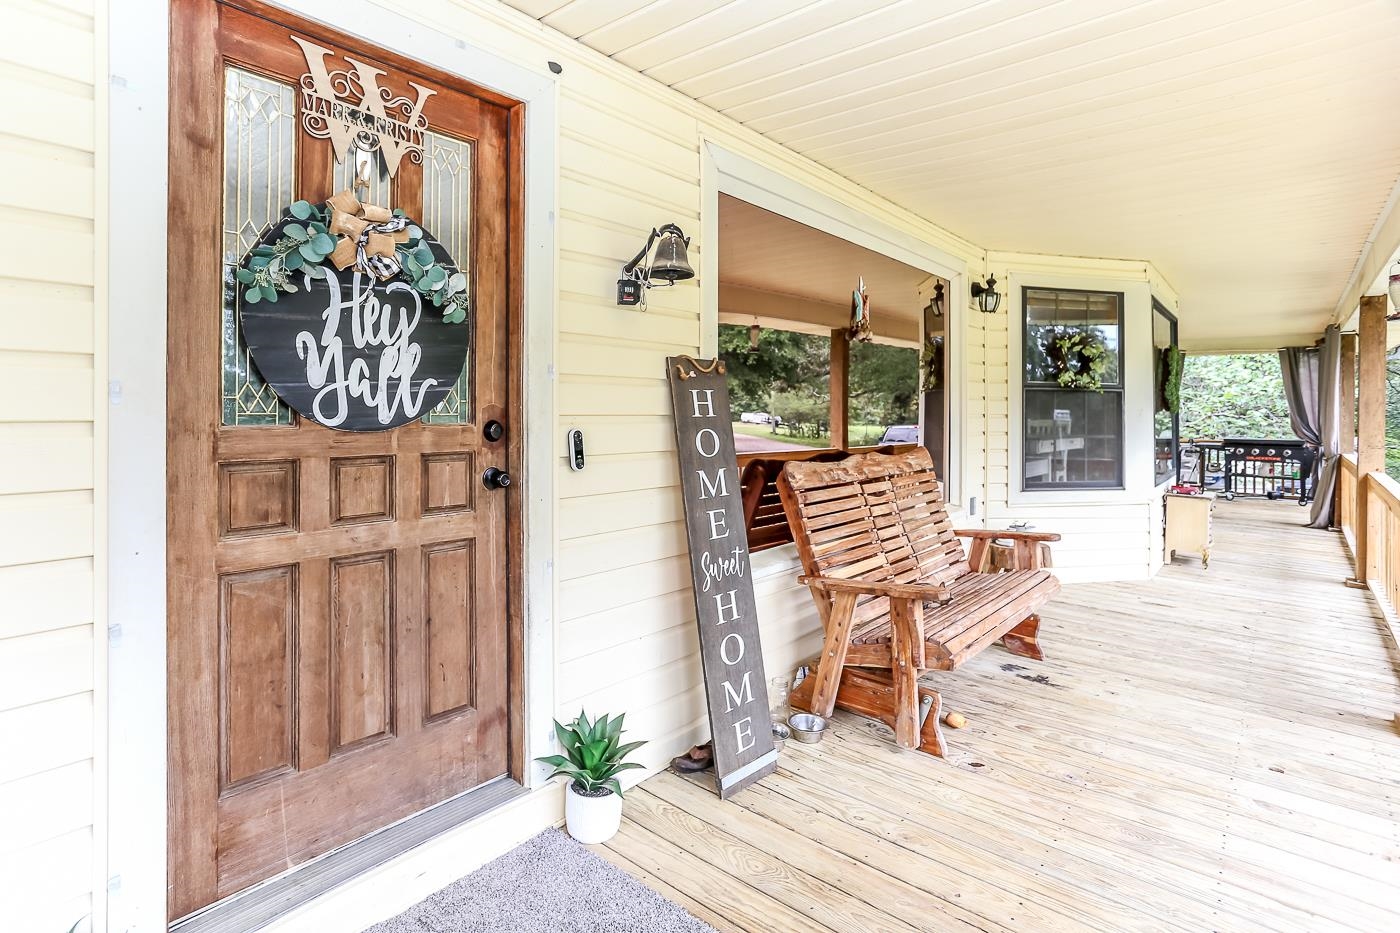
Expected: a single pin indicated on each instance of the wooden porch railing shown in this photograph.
(1383, 536)
(1378, 544)
(1346, 499)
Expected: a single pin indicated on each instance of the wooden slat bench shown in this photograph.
(896, 594)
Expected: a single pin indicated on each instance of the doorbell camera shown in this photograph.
(573, 442)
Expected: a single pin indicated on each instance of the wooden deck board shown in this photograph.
(1209, 750)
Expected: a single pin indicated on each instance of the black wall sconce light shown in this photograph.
(986, 296)
(667, 267)
(935, 304)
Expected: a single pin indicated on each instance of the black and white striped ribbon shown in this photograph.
(382, 267)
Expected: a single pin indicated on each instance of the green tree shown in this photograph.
(884, 384)
(1233, 396)
(803, 415)
(784, 361)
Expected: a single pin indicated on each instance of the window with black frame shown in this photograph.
(1073, 389)
(1166, 422)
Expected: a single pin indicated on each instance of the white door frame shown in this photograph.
(139, 53)
(724, 171)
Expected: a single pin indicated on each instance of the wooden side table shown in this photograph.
(1188, 525)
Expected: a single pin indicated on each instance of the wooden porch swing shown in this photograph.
(894, 591)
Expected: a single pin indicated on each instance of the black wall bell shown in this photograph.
(668, 266)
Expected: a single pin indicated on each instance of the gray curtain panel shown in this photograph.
(1310, 384)
(1329, 411)
(1300, 386)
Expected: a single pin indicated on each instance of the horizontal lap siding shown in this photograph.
(1118, 538)
(792, 631)
(979, 401)
(629, 159)
(626, 635)
(48, 460)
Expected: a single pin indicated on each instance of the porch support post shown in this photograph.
(1348, 395)
(840, 387)
(1370, 426)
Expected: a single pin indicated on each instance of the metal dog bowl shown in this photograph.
(781, 733)
(807, 727)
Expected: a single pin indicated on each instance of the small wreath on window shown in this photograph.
(1078, 358)
(345, 233)
(1172, 363)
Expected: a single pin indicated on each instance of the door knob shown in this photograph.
(495, 478)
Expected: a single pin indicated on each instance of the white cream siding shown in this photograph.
(50, 454)
(630, 159)
(625, 626)
(1107, 534)
(630, 156)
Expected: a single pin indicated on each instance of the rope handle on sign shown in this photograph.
(716, 365)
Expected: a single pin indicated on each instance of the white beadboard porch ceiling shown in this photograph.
(1247, 147)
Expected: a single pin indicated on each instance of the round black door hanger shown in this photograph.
(352, 352)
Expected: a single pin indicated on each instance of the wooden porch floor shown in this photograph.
(1208, 751)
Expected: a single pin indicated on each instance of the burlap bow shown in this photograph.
(367, 234)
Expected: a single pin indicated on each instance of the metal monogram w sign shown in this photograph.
(348, 105)
(719, 567)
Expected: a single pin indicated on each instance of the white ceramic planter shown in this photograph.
(592, 819)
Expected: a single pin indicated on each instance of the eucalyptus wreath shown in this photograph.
(306, 244)
(1078, 358)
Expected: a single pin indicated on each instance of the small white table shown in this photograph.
(1188, 525)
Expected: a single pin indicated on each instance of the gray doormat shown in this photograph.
(549, 884)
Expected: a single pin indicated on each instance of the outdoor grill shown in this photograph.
(1242, 466)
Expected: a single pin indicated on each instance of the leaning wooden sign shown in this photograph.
(719, 566)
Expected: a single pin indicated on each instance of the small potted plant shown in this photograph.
(591, 761)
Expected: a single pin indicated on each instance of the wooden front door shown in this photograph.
(340, 604)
